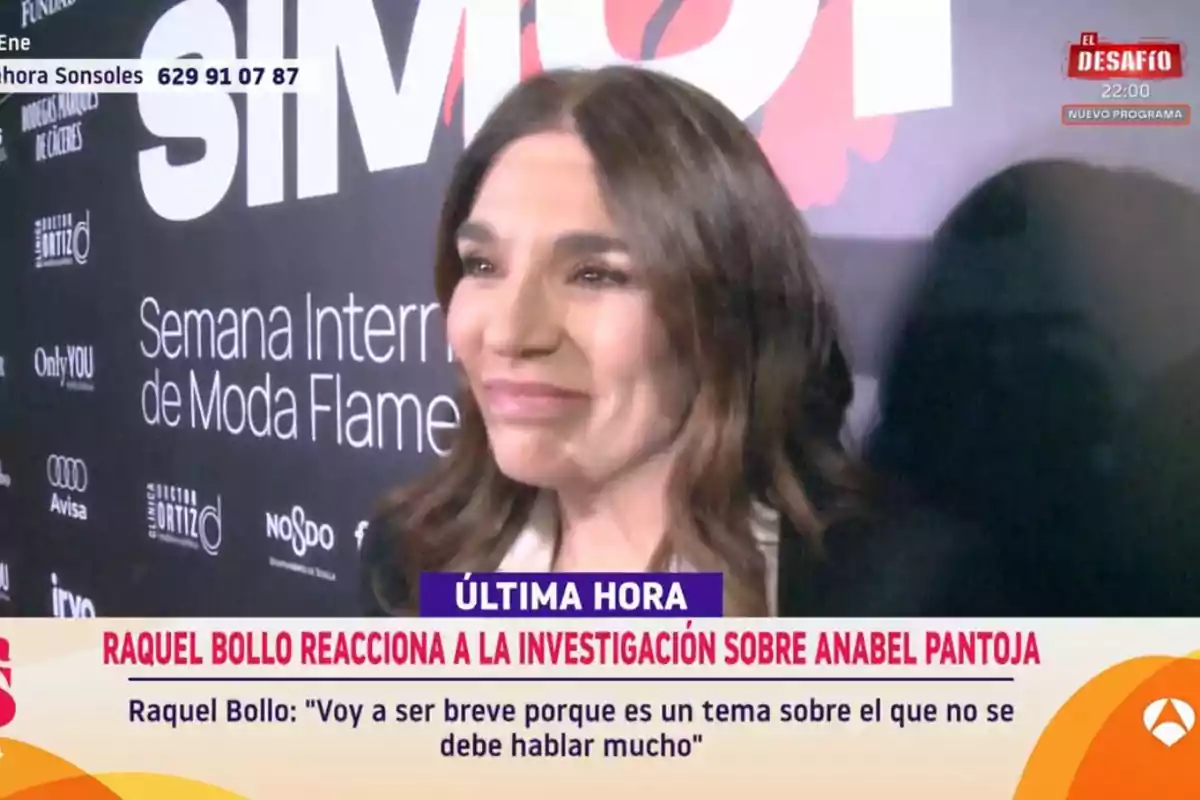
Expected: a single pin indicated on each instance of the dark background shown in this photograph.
(1021, 300)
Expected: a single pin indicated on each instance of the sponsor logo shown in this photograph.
(829, 78)
(62, 240)
(72, 366)
(66, 604)
(305, 536)
(5, 478)
(8, 703)
(58, 121)
(175, 516)
(34, 11)
(5, 586)
(2, 375)
(360, 532)
(68, 479)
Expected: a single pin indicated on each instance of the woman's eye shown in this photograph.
(477, 267)
(597, 275)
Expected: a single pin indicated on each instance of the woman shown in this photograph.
(652, 370)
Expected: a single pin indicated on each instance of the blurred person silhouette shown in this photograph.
(652, 372)
(1025, 393)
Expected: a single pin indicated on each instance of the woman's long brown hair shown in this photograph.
(744, 309)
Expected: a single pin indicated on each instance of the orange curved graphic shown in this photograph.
(31, 773)
(1129, 732)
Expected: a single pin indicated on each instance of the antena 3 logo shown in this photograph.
(305, 536)
(175, 516)
(62, 240)
(66, 604)
(72, 366)
(8, 703)
(68, 479)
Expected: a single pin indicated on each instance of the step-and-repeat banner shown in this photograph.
(218, 337)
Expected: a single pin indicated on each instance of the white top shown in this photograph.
(533, 549)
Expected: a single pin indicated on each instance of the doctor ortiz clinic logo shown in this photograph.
(817, 80)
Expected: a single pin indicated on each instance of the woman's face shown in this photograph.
(554, 324)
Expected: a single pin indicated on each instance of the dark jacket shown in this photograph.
(914, 566)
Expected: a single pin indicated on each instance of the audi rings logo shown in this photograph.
(66, 473)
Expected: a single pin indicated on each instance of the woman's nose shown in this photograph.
(523, 321)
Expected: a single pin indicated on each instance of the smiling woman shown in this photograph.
(651, 368)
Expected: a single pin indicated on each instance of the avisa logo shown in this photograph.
(301, 532)
(66, 604)
(68, 479)
(61, 240)
(176, 516)
(72, 367)
(1169, 720)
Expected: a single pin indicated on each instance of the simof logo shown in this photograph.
(67, 473)
(8, 704)
(808, 128)
(1169, 720)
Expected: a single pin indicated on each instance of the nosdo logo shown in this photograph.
(67, 604)
(301, 532)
